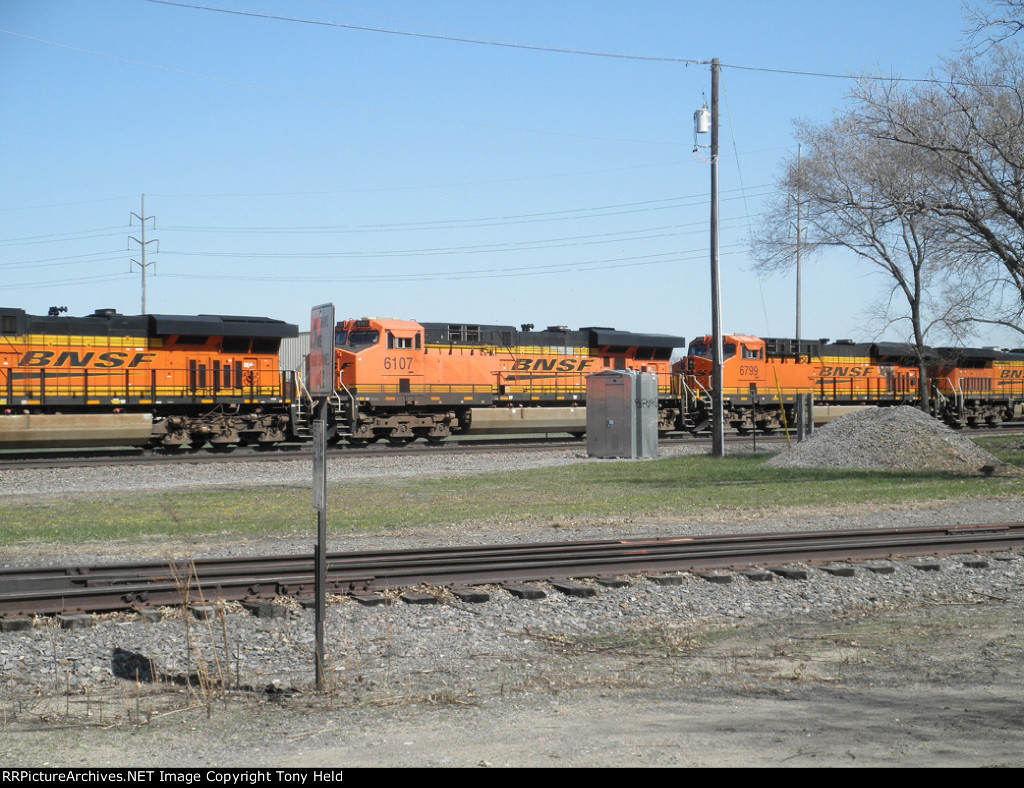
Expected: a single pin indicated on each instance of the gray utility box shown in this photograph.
(622, 414)
(645, 395)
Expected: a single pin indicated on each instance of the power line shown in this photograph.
(56, 261)
(493, 273)
(436, 36)
(453, 184)
(573, 214)
(64, 282)
(79, 235)
(621, 236)
(548, 48)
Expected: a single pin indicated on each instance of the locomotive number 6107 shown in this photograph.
(398, 363)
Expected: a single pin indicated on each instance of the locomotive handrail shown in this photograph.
(698, 389)
(301, 389)
(354, 415)
(959, 396)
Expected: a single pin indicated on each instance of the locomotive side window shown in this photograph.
(752, 353)
(400, 343)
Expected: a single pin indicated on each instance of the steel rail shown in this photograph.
(52, 590)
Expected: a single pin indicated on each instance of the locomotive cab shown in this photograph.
(742, 361)
(377, 355)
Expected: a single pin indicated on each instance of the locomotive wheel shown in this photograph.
(400, 440)
(357, 443)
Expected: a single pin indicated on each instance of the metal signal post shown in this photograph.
(321, 388)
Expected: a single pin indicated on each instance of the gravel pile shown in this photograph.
(900, 438)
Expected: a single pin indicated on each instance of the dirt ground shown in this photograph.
(930, 685)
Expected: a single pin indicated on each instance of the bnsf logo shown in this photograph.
(108, 360)
(843, 372)
(1012, 374)
(551, 365)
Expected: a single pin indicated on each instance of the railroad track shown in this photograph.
(284, 453)
(92, 589)
(10, 460)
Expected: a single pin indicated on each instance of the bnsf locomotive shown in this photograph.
(400, 380)
(164, 380)
(761, 379)
(173, 381)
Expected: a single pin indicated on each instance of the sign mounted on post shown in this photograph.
(321, 388)
(321, 351)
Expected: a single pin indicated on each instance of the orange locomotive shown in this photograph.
(164, 380)
(761, 378)
(401, 380)
(976, 386)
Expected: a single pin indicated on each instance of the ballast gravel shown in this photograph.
(164, 476)
(879, 666)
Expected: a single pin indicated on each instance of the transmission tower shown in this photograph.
(143, 243)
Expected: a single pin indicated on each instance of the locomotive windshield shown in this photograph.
(356, 340)
(703, 349)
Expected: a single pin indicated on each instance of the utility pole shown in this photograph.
(799, 238)
(143, 243)
(717, 416)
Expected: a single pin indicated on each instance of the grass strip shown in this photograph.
(650, 490)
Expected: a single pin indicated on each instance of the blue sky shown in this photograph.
(289, 164)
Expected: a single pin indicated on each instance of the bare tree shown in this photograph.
(968, 132)
(994, 23)
(863, 195)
